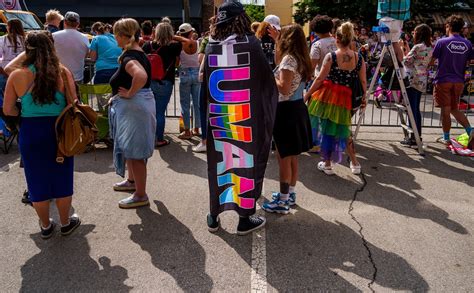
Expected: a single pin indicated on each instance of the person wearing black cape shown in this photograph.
(242, 97)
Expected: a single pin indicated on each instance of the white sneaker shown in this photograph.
(200, 148)
(326, 169)
(355, 169)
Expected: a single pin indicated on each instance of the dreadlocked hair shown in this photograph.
(16, 33)
(240, 26)
(40, 52)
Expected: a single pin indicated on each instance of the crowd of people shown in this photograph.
(277, 88)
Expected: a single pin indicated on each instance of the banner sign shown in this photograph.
(10, 4)
(242, 97)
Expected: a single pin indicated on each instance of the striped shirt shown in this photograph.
(397, 9)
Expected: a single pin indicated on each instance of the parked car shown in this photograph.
(30, 20)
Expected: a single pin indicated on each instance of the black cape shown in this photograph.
(242, 96)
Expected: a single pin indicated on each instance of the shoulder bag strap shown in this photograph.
(67, 89)
(157, 50)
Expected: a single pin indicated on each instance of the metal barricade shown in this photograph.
(431, 115)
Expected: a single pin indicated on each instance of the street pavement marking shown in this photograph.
(259, 262)
(258, 279)
(8, 167)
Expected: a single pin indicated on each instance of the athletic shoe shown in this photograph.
(355, 169)
(444, 141)
(408, 142)
(200, 148)
(125, 185)
(415, 146)
(291, 199)
(74, 222)
(132, 202)
(277, 206)
(26, 198)
(47, 233)
(213, 223)
(250, 224)
(326, 169)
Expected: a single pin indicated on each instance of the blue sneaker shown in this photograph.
(291, 200)
(277, 206)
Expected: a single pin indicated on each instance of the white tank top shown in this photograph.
(189, 61)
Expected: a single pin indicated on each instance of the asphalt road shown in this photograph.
(406, 224)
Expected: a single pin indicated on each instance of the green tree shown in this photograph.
(256, 12)
(364, 10)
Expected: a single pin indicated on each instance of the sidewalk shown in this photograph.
(406, 224)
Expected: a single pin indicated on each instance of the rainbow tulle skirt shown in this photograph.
(330, 115)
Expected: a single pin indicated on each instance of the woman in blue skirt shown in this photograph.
(40, 88)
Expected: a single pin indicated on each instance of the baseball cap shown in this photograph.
(273, 20)
(71, 16)
(185, 28)
(228, 11)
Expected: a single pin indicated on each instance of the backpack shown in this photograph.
(157, 66)
(75, 127)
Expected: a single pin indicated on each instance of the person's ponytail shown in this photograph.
(345, 34)
(128, 27)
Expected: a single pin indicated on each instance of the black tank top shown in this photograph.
(121, 78)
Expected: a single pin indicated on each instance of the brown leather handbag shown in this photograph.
(76, 126)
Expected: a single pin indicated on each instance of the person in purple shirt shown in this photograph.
(453, 53)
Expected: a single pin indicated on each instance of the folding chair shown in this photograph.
(97, 96)
(7, 136)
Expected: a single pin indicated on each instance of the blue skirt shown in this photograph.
(45, 178)
(132, 124)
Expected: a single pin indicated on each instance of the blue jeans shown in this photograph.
(414, 96)
(162, 92)
(189, 86)
(203, 111)
(3, 84)
(103, 76)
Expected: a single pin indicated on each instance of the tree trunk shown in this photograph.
(186, 9)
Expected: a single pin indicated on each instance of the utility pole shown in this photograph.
(186, 11)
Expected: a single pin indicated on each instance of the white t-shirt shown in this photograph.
(72, 48)
(289, 63)
(7, 51)
(320, 49)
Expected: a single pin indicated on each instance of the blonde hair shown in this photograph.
(262, 29)
(53, 14)
(255, 26)
(164, 34)
(345, 33)
(128, 27)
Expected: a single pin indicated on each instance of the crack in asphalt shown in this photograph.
(361, 228)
